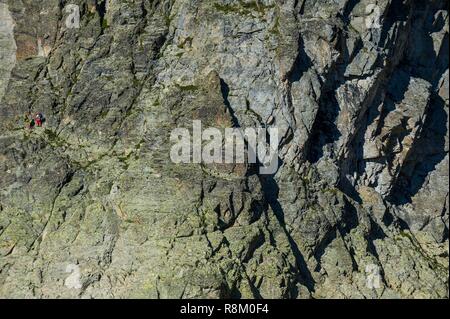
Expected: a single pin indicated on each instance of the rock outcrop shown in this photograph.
(91, 205)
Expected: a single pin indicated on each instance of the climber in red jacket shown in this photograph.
(38, 119)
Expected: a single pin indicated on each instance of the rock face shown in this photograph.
(92, 207)
(7, 47)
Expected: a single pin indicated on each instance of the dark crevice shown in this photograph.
(376, 233)
(225, 89)
(301, 64)
(350, 5)
(426, 153)
(101, 9)
(398, 11)
(271, 193)
(319, 250)
(324, 131)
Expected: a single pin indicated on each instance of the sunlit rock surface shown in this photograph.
(92, 207)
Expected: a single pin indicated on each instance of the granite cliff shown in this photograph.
(92, 207)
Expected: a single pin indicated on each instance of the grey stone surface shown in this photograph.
(92, 207)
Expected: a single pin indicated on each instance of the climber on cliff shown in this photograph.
(38, 119)
(29, 120)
